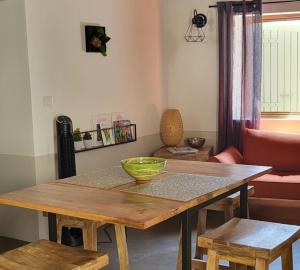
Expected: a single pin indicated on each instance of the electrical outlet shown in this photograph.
(47, 101)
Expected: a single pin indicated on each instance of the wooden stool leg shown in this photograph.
(232, 266)
(179, 255)
(201, 228)
(241, 267)
(58, 230)
(228, 213)
(261, 264)
(287, 259)
(212, 260)
(59, 233)
(122, 247)
(89, 235)
(237, 266)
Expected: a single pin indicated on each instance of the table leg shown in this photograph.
(179, 255)
(244, 202)
(186, 240)
(122, 247)
(52, 227)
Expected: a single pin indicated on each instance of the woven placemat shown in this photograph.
(182, 187)
(104, 179)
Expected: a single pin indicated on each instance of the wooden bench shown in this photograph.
(46, 255)
(245, 242)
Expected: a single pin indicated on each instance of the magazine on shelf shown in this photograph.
(103, 121)
(182, 150)
(118, 116)
(122, 131)
(122, 128)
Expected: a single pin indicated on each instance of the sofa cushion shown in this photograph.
(282, 185)
(276, 149)
(230, 156)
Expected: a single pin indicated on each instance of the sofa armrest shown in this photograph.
(230, 156)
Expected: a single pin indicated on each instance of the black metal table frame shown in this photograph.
(186, 222)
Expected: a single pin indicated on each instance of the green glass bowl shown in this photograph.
(143, 168)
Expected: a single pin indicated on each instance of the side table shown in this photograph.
(202, 155)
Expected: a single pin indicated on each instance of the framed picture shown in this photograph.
(96, 39)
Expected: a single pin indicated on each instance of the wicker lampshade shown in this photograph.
(171, 127)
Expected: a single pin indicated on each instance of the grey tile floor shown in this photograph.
(153, 249)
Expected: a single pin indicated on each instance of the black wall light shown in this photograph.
(195, 31)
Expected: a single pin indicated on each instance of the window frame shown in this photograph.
(271, 17)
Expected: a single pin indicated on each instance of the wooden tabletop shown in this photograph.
(117, 207)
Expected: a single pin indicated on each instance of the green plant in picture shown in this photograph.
(77, 137)
(96, 39)
(87, 136)
(101, 35)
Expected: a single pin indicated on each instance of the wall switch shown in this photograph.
(47, 101)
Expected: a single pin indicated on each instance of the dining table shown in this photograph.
(181, 190)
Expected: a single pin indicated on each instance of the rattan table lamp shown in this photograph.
(171, 127)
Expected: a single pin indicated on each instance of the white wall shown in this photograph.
(191, 69)
(17, 168)
(15, 101)
(129, 79)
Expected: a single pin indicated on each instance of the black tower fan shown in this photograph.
(67, 168)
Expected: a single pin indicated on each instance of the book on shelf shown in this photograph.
(182, 150)
(103, 123)
(122, 131)
(112, 128)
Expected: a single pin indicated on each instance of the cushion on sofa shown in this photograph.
(276, 149)
(230, 156)
(278, 185)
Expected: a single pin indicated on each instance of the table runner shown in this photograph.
(182, 187)
(104, 179)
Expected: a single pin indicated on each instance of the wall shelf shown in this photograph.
(117, 133)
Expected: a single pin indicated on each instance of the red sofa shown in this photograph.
(277, 195)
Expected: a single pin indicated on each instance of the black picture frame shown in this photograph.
(96, 39)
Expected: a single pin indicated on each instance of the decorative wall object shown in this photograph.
(96, 39)
(171, 127)
(195, 32)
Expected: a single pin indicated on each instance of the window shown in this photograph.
(281, 64)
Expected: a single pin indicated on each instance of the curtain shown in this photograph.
(240, 58)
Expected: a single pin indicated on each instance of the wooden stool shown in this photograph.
(227, 205)
(45, 255)
(250, 242)
(89, 233)
(89, 230)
